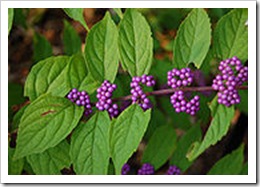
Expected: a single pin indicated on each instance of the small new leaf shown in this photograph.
(45, 123)
(90, 146)
(126, 133)
(135, 43)
(193, 39)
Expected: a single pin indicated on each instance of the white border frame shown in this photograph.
(250, 178)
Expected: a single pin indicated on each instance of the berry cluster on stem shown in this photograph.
(177, 79)
(104, 95)
(81, 99)
(232, 74)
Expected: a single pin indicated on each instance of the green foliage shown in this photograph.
(243, 105)
(135, 43)
(231, 35)
(244, 170)
(118, 12)
(193, 39)
(101, 50)
(218, 128)
(17, 118)
(160, 146)
(20, 17)
(10, 18)
(179, 156)
(90, 146)
(51, 161)
(231, 164)
(45, 123)
(15, 167)
(41, 48)
(48, 76)
(71, 39)
(126, 133)
(76, 14)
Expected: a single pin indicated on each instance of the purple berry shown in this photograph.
(138, 96)
(125, 169)
(233, 74)
(173, 170)
(146, 169)
(104, 95)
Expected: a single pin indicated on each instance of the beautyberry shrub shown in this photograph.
(173, 170)
(146, 169)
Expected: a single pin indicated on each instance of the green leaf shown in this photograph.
(17, 118)
(243, 105)
(71, 39)
(231, 164)
(118, 11)
(89, 84)
(101, 50)
(218, 128)
(90, 146)
(15, 167)
(179, 156)
(15, 94)
(10, 18)
(244, 170)
(51, 161)
(41, 47)
(48, 76)
(77, 71)
(45, 123)
(160, 146)
(231, 35)
(135, 43)
(126, 133)
(193, 39)
(20, 17)
(76, 14)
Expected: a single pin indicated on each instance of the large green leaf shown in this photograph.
(179, 156)
(244, 170)
(231, 164)
(41, 47)
(126, 133)
(193, 39)
(15, 167)
(218, 128)
(160, 146)
(48, 76)
(45, 123)
(90, 146)
(101, 50)
(76, 14)
(135, 43)
(51, 161)
(71, 39)
(10, 18)
(231, 35)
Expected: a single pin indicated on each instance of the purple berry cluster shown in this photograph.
(233, 74)
(180, 78)
(138, 96)
(125, 169)
(146, 169)
(81, 99)
(104, 95)
(173, 170)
